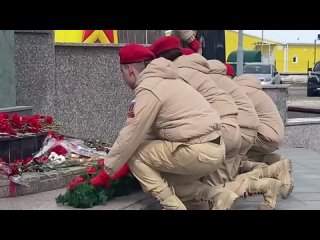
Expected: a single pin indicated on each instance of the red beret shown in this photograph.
(133, 53)
(230, 70)
(165, 43)
(186, 51)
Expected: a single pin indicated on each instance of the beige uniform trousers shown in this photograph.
(247, 141)
(261, 151)
(231, 136)
(159, 164)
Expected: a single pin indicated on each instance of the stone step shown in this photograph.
(22, 110)
(305, 196)
(41, 182)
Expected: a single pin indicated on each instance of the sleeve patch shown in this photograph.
(131, 109)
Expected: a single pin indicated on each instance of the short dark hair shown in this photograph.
(139, 66)
(171, 54)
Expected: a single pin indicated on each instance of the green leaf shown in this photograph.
(86, 195)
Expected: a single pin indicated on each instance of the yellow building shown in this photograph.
(252, 43)
(288, 57)
(296, 57)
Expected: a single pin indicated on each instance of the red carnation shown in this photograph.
(55, 135)
(8, 129)
(101, 162)
(59, 150)
(75, 182)
(48, 119)
(4, 115)
(14, 170)
(91, 170)
(18, 161)
(27, 160)
(16, 119)
(42, 159)
(34, 122)
(26, 119)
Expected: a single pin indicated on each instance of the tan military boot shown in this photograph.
(281, 170)
(219, 198)
(205, 196)
(169, 201)
(256, 173)
(248, 166)
(269, 187)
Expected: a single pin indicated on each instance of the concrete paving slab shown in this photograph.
(305, 196)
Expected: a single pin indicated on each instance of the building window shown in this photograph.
(295, 59)
(140, 36)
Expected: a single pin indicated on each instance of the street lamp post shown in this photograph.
(315, 49)
(262, 46)
(315, 52)
(240, 53)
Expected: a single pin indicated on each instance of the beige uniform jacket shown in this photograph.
(167, 107)
(194, 70)
(247, 117)
(271, 128)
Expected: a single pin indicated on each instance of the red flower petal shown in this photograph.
(48, 119)
(101, 162)
(91, 170)
(59, 150)
(75, 182)
(27, 160)
(26, 119)
(18, 161)
(4, 115)
(42, 159)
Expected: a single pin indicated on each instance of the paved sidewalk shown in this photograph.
(311, 103)
(306, 194)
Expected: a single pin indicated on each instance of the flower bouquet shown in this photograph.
(95, 187)
(15, 125)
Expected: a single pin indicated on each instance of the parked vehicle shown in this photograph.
(313, 83)
(266, 73)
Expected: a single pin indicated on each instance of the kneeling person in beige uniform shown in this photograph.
(270, 135)
(249, 123)
(187, 130)
(194, 69)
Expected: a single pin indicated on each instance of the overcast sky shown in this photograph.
(287, 36)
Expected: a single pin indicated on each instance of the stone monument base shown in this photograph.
(22, 110)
